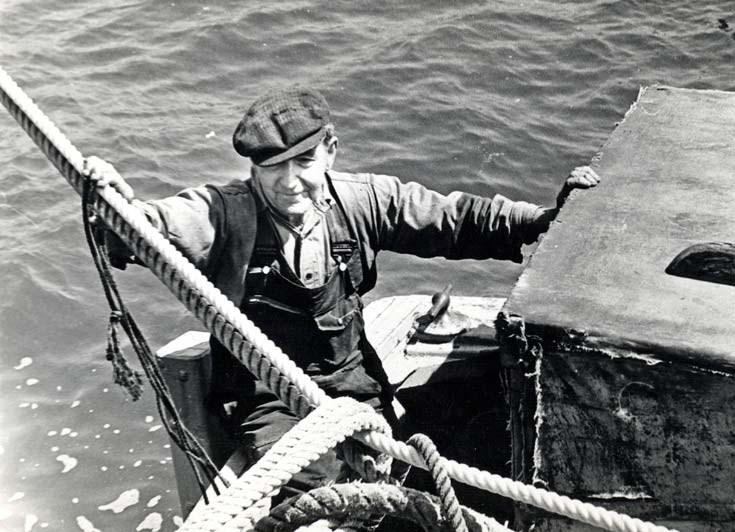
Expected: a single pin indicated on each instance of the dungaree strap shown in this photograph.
(343, 243)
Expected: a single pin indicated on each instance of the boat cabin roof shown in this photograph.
(668, 181)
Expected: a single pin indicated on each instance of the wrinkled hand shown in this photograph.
(104, 174)
(580, 177)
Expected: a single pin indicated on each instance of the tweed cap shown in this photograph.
(281, 125)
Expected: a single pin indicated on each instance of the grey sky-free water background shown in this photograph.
(486, 97)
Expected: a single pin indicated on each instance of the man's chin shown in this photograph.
(295, 209)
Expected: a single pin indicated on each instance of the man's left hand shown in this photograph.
(580, 177)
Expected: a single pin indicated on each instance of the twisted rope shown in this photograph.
(437, 468)
(316, 434)
(244, 340)
(360, 501)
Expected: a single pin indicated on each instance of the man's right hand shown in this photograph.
(104, 174)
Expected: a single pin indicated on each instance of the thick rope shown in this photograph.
(320, 431)
(123, 374)
(359, 501)
(437, 469)
(244, 340)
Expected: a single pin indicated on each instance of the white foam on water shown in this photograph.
(18, 495)
(137, 463)
(153, 501)
(86, 525)
(32, 382)
(75, 500)
(24, 405)
(75, 404)
(151, 522)
(116, 431)
(24, 363)
(74, 434)
(210, 135)
(30, 522)
(54, 449)
(5, 513)
(178, 521)
(51, 433)
(34, 406)
(69, 462)
(103, 468)
(149, 419)
(65, 431)
(125, 500)
(154, 428)
(106, 426)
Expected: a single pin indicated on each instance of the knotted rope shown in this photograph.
(240, 505)
(358, 502)
(244, 340)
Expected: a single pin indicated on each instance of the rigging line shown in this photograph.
(183, 438)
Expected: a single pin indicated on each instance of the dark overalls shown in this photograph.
(321, 329)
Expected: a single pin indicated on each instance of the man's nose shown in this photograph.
(289, 175)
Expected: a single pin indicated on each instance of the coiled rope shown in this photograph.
(358, 502)
(239, 506)
(244, 340)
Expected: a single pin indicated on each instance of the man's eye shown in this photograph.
(306, 161)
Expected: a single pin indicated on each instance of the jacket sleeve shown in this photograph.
(192, 220)
(413, 219)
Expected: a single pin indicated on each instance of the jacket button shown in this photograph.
(342, 266)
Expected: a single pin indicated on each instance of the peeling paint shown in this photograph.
(624, 494)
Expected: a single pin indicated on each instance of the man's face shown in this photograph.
(291, 186)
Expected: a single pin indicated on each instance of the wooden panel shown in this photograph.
(390, 325)
(667, 183)
(653, 439)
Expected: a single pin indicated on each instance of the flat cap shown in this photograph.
(281, 125)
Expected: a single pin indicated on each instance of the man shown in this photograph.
(295, 247)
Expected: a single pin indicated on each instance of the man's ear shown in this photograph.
(332, 145)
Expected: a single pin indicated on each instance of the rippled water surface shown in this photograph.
(496, 97)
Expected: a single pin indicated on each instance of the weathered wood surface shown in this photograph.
(630, 406)
(391, 321)
(667, 183)
(186, 368)
(652, 438)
